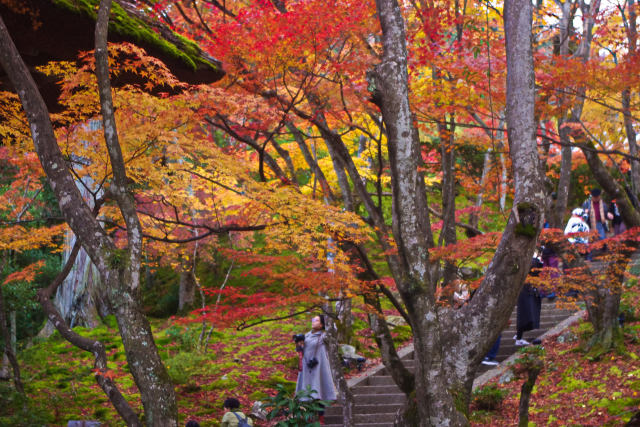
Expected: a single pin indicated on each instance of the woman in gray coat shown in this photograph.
(315, 370)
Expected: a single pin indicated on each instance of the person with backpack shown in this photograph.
(233, 417)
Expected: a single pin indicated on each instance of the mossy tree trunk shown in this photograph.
(603, 303)
(525, 397)
(119, 268)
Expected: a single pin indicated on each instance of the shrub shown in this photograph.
(297, 409)
(489, 398)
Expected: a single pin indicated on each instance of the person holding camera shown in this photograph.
(315, 371)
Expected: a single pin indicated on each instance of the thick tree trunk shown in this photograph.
(557, 219)
(632, 37)
(149, 373)
(525, 396)
(187, 288)
(9, 348)
(93, 346)
(119, 269)
(444, 377)
(603, 303)
(448, 232)
(345, 396)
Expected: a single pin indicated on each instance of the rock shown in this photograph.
(258, 411)
(567, 337)
(83, 423)
(507, 377)
(395, 321)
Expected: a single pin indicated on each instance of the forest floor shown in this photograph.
(571, 390)
(245, 364)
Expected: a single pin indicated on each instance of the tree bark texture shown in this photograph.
(313, 165)
(120, 271)
(443, 381)
(187, 288)
(448, 232)
(557, 219)
(632, 37)
(345, 396)
(149, 373)
(9, 348)
(525, 396)
(603, 303)
(92, 346)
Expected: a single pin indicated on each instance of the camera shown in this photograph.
(312, 363)
(298, 337)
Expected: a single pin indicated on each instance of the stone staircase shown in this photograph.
(377, 399)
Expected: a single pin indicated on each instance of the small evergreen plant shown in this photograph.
(489, 398)
(299, 409)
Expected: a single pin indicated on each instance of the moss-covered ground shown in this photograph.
(573, 390)
(245, 364)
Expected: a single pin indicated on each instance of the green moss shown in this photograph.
(617, 406)
(258, 396)
(118, 258)
(527, 230)
(125, 25)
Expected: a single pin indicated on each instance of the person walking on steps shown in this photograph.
(315, 370)
(233, 417)
(529, 307)
(597, 213)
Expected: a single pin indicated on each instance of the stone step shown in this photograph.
(394, 396)
(359, 419)
(364, 409)
(377, 399)
(360, 425)
(376, 389)
(380, 380)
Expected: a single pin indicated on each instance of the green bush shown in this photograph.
(184, 365)
(295, 409)
(489, 398)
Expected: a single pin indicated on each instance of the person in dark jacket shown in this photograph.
(529, 306)
(619, 226)
(597, 213)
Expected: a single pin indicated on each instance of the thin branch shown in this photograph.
(244, 325)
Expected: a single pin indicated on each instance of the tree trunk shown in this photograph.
(187, 288)
(632, 37)
(9, 345)
(123, 276)
(345, 396)
(449, 344)
(557, 219)
(119, 268)
(525, 396)
(603, 303)
(448, 232)
(87, 344)
(309, 158)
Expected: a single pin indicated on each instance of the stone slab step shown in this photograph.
(359, 419)
(377, 399)
(365, 409)
(376, 389)
(361, 425)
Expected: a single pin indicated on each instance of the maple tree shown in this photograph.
(305, 107)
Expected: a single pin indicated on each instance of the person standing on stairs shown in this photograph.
(529, 307)
(315, 370)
